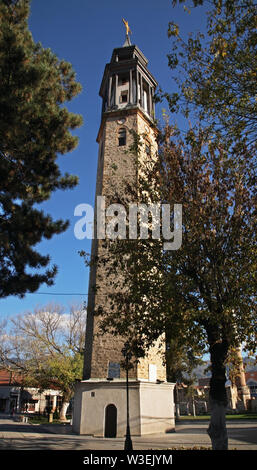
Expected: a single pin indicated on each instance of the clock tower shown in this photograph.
(127, 92)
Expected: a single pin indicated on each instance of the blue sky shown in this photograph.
(85, 33)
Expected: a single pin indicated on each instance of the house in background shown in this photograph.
(15, 398)
(195, 400)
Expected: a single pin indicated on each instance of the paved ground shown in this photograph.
(23, 436)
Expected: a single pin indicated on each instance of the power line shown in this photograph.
(62, 293)
(54, 293)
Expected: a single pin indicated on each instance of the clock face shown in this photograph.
(121, 121)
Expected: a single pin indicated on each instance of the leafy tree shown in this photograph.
(47, 347)
(34, 128)
(215, 69)
(181, 360)
(205, 291)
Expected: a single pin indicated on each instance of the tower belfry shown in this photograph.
(127, 91)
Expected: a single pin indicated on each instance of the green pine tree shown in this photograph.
(34, 128)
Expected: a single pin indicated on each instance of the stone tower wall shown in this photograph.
(116, 167)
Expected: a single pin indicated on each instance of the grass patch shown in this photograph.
(190, 448)
(40, 419)
(243, 416)
(228, 417)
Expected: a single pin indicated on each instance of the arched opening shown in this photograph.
(110, 421)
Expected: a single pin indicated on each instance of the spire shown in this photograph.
(127, 42)
(128, 30)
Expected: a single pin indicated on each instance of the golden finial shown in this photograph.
(128, 30)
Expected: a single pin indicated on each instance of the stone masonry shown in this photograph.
(116, 166)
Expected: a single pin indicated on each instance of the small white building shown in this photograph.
(14, 397)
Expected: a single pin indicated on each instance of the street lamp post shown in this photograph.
(127, 355)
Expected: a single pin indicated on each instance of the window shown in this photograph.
(139, 92)
(124, 97)
(30, 405)
(152, 373)
(253, 387)
(147, 147)
(122, 137)
(146, 101)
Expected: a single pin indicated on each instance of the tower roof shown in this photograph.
(127, 83)
(128, 56)
(128, 52)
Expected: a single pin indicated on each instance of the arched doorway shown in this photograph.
(110, 421)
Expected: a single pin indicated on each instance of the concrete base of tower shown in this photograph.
(100, 408)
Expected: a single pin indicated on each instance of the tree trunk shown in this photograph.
(218, 398)
(177, 411)
(217, 428)
(176, 402)
(193, 408)
(65, 405)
